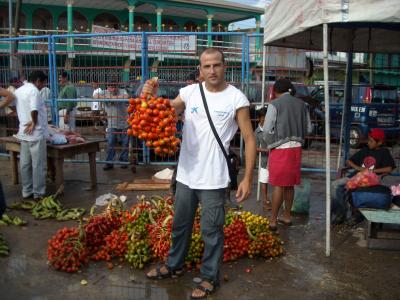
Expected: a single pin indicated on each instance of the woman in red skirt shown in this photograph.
(286, 124)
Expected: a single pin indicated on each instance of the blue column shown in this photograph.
(348, 97)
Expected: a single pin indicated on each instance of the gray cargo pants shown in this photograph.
(33, 163)
(211, 224)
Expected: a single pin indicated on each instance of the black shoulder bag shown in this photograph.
(231, 158)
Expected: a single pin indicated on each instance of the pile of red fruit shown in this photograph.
(143, 232)
(67, 250)
(153, 119)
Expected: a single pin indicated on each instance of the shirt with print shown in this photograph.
(202, 164)
(28, 99)
(116, 110)
(68, 91)
(373, 159)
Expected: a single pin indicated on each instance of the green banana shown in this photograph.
(46, 215)
(16, 205)
(18, 221)
(28, 204)
(6, 219)
(2, 223)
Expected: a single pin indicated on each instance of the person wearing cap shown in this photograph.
(375, 158)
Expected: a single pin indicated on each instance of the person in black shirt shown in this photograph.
(374, 158)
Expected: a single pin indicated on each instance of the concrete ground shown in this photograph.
(304, 272)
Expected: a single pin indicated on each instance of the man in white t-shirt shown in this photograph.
(202, 174)
(97, 106)
(32, 134)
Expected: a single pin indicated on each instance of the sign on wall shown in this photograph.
(164, 43)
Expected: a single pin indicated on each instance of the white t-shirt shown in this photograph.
(202, 164)
(45, 93)
(97, 93)
(27, 99)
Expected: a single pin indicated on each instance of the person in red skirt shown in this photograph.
(287, 123)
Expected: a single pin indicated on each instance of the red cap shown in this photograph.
(377, 134)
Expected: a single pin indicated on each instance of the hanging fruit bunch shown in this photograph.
(153, 120)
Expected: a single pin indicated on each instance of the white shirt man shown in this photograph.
(32, 134)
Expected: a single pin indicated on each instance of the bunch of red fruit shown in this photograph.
(160, 236)
(115, 246)
(67, 250)
(97, 229)
(153, 119)
(236, 240)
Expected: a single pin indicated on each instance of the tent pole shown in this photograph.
(262, 105)
(327, 144)
(348, 92)
(344, 126)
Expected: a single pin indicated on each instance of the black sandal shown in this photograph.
(169, 274)
(205, 290)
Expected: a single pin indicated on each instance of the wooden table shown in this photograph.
(56, 155)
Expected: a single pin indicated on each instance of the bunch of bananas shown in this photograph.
(49, 207)
(25, 204)
(10, 220)
(46, 208)
(70, 214)
(4, 250)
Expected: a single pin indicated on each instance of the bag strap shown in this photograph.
(212, 125)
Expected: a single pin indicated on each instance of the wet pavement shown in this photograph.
(304, 272)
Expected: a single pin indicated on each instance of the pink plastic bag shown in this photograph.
(363, 179)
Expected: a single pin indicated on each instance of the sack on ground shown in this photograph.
(301, 202)
(372, 197)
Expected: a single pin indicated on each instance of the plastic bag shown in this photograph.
(301, 202)
(363, 179)
(395, 190)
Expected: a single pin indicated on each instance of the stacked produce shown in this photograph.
(49, 208)
(153, 120)
(143, 233)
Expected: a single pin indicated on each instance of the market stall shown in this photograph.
(337, 25)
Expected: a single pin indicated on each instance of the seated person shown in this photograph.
(375, 158)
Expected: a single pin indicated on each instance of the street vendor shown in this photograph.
(32, 133)
(375, 158)
(202, 175)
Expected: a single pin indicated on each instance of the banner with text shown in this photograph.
(162, 43)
